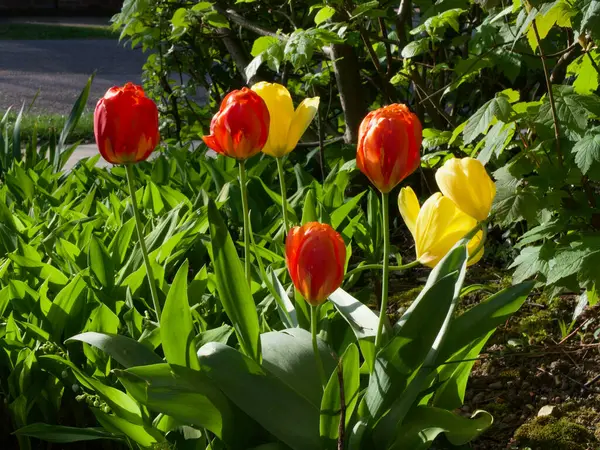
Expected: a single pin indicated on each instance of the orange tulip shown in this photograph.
(241, 127)
(126, 125)
(389, 139)
(316, 257)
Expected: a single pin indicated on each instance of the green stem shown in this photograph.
(483, 226)
(380, 266)
(314, 318)
(140, 233)
(244, 189)
(385, 213)
(286, 221)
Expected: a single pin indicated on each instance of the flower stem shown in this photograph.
(244, 189)
(286, 221)
(314, 317)
(380, 266)
(385, 213)
(140, 233)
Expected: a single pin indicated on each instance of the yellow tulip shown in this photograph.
(466, 182)
(287, 126)
(437, 226)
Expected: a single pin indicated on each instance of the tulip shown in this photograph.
(466, 182)
(241, 127)
(126, 125)
(389, 139)
(437, 226)
(287, 126)
(316, 257)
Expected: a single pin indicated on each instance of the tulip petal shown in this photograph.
(281, 111)
(303, 116)
(408, 204)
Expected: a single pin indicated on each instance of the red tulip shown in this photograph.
(389, 139)
(241, 127)
(316, 256)
(126, 125)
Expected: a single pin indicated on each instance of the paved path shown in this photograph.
(60, 69)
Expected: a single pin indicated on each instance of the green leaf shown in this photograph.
(289, 356)
(324, 14)
(279, 409)
(41, 270)
(234, 292)
(142, 434)
(101, 264)
(587, 76)
(216, 20)
(531, 261)
(496, 140)
(309, 211)
(568, 262)
(176, 325)
(349, 370)
(587, 150)
(361, 318)
(425, 423)
(72, 121)
(497, 108)
(64, 435)
(588, 17)
(67, 305)
(189, 397)
(126, 351)
(415, 48)
(338, 216)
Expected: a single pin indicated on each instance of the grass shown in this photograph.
(43, 31)
(84, 130)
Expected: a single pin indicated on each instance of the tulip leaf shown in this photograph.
(349, 370)
(467, 335)
(176, 326)
(289, 356)
(234, 292)
(279, 409)
(126, 351)
(189, 397)
(338, 216)
(425, 423)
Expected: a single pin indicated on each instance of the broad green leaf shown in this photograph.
(40, 269)
(101, 264)
(67, 305)
(234, 292)
(531, 261)
(289, 356)
(189, 397)
(415, 48)
(587, 151)
(325, 13)
(587, 75)
(144, 435)
(425, 423)
(279, 409)
(588, 17)
(361, 318)
(349, 370)
(497, 108)
(65, 435)
(126, 351)
(338, 216)
(176, 326)
(553, 13)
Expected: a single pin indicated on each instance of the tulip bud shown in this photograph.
(241, 127)
(389, 139)
(316, 257)
(126, 125)
(287, 126)
(466, 182)
(437, 227)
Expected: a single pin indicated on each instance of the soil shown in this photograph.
(541, 384)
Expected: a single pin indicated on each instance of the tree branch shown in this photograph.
(236, 18)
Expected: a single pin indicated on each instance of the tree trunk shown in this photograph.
(347, 75)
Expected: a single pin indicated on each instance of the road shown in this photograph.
(60, 69)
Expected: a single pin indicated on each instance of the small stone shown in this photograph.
(544, 399)
(529, 406)
(496, 385)
(545, 410)
(557, 399)
(479, 398)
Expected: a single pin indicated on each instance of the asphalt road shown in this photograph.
(60, 69)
